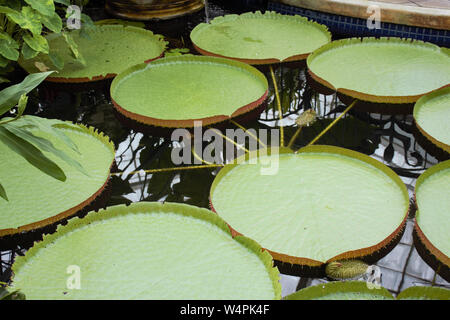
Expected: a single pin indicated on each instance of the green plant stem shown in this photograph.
(280, 112)
(170, 169)
(333, 123)
(294, 137)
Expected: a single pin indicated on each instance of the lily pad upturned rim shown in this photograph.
(438, 254)
(69, 212)
(433, 293)
(253, 15)
(393, 100)
(189, 123)
(355, 254)
(324, 289)
(422, 101)
(178, 208)
(78, 80)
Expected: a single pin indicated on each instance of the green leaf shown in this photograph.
(8, 47)
(48, 126)
(44, 145)
(46, 7)
(53, 22)
(36, 42)
(20, 109)
(3, 80)
(27, 52)
(32, 154)
(3, 193)
(64, 2)
(87, 21)
(3, 62)
(27, 19)
(11, 95)
(73, 47)
(7, 10)
(13, 4)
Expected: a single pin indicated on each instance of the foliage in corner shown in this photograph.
(24, 24)
(16, 134)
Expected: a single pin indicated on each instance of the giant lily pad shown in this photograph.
(431, 115)
(37, 200)
(257, 38)
(177, 91)
(107, 50)
(320, 205)
(359, 290)
(432, 218)
(147, 251)
(386, 70)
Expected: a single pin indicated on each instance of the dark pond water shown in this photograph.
(386, 138)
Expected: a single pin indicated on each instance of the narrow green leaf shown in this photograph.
(46, 7)
(53, 22)
(87, 21)
(73, 47)
(22, 105)
(27, 52)
(3, 193)
(3, 80)
(8, 47)
(44, 145)
(36, 42)
(47, 125)
(71, 43)
(3, 62)
(11, 95)
(64, 2)
(32, 154)
(20, 109)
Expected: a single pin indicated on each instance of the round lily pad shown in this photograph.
(385, 70)
(260, 38)
(320, 205)
(359, 290)
(340, 290)
(107, 50)
(37, 200)
(177, 91)
(424, 293)
(146, 251)
(432, 239)
(431, 115)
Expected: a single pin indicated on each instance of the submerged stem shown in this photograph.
(170, 169)
(280, 112)
(333, 123)
(248, 132)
